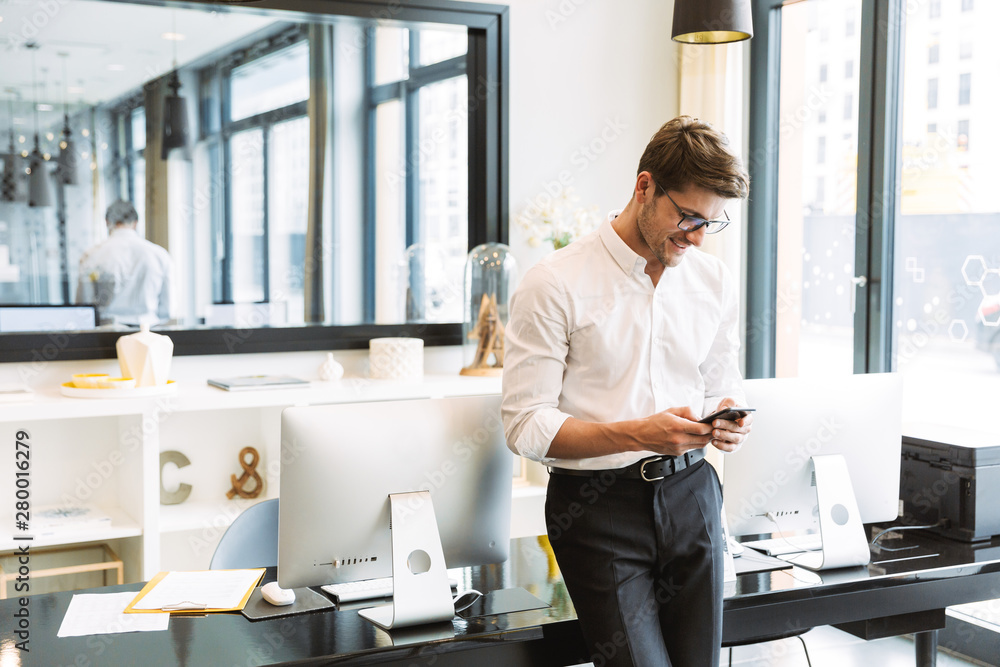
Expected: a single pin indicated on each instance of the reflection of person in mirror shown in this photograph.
(127, 277)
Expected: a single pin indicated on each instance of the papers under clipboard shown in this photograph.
(196, 592)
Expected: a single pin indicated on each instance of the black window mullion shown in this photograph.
(266, 254)
(272, 117)
(411, 148)
(440, 71)
(227, 187)
(368, 270)
(488, 84)
(386, 92)
(882, 31)
(762, 218)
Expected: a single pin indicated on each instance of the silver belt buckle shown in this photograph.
(642, 470)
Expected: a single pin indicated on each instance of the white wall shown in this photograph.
(591, 81)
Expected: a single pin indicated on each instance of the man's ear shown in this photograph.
(645, 188)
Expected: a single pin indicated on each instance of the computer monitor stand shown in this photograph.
(840, 527)
(420, 589)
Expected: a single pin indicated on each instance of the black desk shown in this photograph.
(890, 598)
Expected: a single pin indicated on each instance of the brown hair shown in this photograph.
(687, 151)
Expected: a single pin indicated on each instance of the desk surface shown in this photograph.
(936, 574)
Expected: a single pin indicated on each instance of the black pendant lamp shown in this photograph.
(175, 127)
(8, 186)
(712, 21)
(175, 130)
(39, 188)
(67, 170)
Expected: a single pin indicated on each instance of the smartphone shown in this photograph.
(728, 414)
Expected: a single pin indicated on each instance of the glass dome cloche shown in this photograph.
(491, 275)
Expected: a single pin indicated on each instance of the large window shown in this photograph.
(256, 129)
(887, 252)
(419, 179)
(888, 243)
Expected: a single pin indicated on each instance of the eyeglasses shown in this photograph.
(690, 223)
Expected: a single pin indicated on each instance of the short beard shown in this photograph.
(643, 217)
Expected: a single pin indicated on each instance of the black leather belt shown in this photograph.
(648, 469)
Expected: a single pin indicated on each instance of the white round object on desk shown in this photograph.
(396, 358)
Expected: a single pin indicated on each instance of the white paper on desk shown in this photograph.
(101, 614)
(215, 589)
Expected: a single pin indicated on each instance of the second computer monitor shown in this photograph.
(339, 463)
(769, 484)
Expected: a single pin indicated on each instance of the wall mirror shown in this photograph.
(340, 160)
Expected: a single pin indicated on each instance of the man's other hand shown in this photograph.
(727, 435)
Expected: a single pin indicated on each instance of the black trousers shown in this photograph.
(642, 562)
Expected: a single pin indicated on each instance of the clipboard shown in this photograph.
(192, 587)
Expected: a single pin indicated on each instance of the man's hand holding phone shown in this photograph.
(730, 425)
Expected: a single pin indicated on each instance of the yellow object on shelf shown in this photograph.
(88, 380)
(68, 389)
(117, 383)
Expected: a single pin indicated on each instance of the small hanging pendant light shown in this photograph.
(175, 127)
(67, 169)
(175, 131)
(8, 186)
(39, 188)
(712, 21)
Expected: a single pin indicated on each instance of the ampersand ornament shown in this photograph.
(249, 472)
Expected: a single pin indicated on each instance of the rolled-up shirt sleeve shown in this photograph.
(536, 347)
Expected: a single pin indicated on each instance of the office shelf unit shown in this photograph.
(106, 452)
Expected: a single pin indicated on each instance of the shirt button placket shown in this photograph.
(657, 358)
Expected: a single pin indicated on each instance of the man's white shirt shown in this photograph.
(127, 276)
(590, 337)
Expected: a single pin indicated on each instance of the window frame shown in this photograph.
(405, 90)
(218, 130)
(878, 151)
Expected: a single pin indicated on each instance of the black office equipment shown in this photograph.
(952, 477)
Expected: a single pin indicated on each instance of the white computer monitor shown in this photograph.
(446, 466)
(774, 483)
(25, 318)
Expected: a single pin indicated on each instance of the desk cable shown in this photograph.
(943, 523)
(473, 595)
(791, 573)
(770, 517)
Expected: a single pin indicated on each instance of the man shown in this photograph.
(616, 346)
(126, 277)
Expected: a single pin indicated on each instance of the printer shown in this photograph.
(951, 476)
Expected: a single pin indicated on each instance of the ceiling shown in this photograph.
(106, 48)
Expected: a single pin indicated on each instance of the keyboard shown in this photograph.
(779, 546)
(366, 589)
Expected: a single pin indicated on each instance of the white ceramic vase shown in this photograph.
(331, 370)
(146, 357)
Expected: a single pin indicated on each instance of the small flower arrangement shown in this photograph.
(558, 221)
